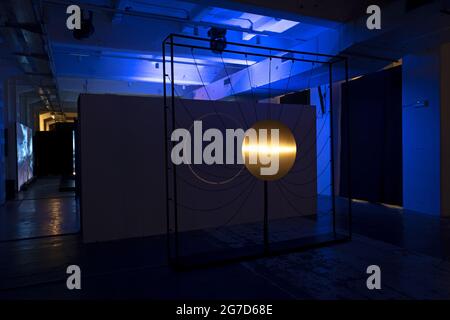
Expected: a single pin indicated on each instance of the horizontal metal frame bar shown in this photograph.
(174, 35)
(250, 54)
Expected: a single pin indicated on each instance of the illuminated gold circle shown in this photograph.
(286, 150)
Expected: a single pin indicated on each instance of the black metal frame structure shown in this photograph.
(267, 249)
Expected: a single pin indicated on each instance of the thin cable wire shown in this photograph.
(224, 205)
(192, 119)
(311, 147)
(301, 196)
(311, 181)
(309, 87)
(233, 92)
(181, 100)
(186, 181)
(241, 205)
(251, 88)
(302, 169)
(206, 90)
(288, 201)
(286, 90)
(308, 133)
(215, 175)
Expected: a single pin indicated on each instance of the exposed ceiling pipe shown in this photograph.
(26, 36)
(37, 9)
(152, 16)
(155, 59)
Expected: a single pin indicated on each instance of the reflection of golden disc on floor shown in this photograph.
(263, 156)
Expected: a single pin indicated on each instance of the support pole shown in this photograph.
(349, 155)
(266, 218)
(333, 197)
(175, 199)
(166, 151)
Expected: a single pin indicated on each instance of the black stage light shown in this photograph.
(218, 42)
(87, 27)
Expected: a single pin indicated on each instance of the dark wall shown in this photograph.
(302, 97)
(54, 152)
(375, 124)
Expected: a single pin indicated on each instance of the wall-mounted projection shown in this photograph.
(24, 155)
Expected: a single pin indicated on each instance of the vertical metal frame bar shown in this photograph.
(247, 45)
(333, 197)
(266, 219)
(349, 157)
(166, 152)
(174, 169)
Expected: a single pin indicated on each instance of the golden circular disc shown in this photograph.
(263, 156)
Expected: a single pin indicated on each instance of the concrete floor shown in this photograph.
(411, 249)
(40, 211)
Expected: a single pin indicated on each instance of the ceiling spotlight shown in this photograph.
(87, 27)
(218, 42)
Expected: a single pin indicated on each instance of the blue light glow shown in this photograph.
(279, 26)
(209, 61)
(246, 20)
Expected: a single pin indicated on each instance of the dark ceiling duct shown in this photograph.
(185, 20)
(26, 34)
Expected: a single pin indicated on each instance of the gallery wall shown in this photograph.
(123, 168)
(421, 132)
(321, 99)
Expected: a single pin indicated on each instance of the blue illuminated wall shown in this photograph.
(324, 137)
(421, 133)
(323, 141)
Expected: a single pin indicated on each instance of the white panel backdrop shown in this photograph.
(122, 168)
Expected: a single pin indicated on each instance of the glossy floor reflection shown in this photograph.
(137, 268)
(40, 211)
(410, 248)
(45, 188)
